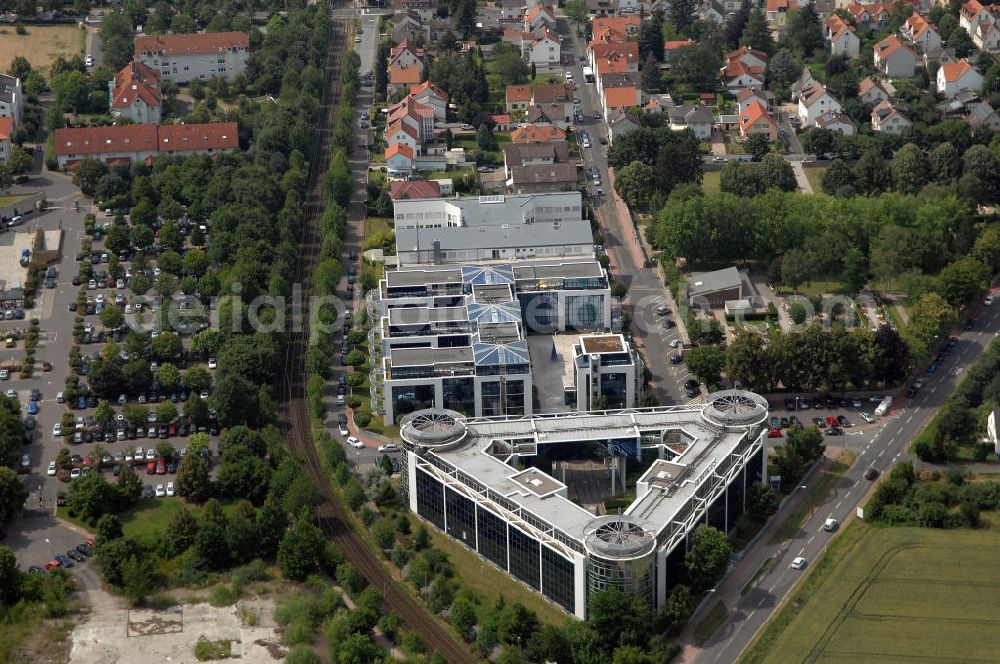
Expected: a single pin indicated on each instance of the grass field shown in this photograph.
(7, 200)
(711, 182)
(815, 177)
(42, 44)
(892, 595)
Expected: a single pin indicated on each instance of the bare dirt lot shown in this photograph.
(41, 45)
(122, 636)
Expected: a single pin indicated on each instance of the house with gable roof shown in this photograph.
(838, 122)
(814, 101)
(986, 37)
(922, 34)
(887, 118)
(134, 93)
(398, 161)
(539, 18)
(841, 38)
(432, 96)
(955, 77)
(894, 58)
(872, 91)
(754, 118)
(6, 136)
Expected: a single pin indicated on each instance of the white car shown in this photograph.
(675, 343)
(11, 394)
(56, 430)
(4, 374)
(170, 489)
(52, 468)
(830, 525)
(988, 300)
(919, 383)
(150, 454)
(211, 363)
(867, 417)
(354, 442)
(799, 563)
(343, 430)
(75, 473)
(389, 447)
(128, 454)
(160, 491)
(139, 452)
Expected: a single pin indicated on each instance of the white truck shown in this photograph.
(883, 407)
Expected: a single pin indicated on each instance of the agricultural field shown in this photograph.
(892, 595)
(42, 44)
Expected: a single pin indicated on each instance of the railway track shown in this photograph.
(294, 409)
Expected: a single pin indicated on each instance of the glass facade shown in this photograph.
(734, 498)
(408, 398)
(461, 518)
(614, 388)
(541, 311)
(459, 394)
(717, 513)
(489, 395)
(584, 312)
(635, 576)
(430, 498)
(755, 467)
(514, 397)
(524, 557)
(492, 538)
(557, 579)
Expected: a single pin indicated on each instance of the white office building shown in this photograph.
(491, 484)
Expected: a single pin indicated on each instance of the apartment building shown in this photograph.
(184, 58)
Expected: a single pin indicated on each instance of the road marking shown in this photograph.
(881, 453)
(909, 419)
(801, 550)
(838, 505)
(809, 541)
(900, 430)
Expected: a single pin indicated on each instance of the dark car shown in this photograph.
(84, 549)
(843, 421)
(834, 431)
(690, 382)
(819, 422)
(147, 491)
(76, 555)
(81, 403)
(790, 404)
(871, 474)
(676, 359)
(969, 324)
(63, 560)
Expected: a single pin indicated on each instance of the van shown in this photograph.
(883, 407)
(340, 399)
(60, 397)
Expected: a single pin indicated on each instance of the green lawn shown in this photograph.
(150, 516)
(376, 225)
(815, 177)
(891, 595)
(711, 182)
(7, 200)
(491, 583)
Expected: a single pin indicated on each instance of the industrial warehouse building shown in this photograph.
(480, 480)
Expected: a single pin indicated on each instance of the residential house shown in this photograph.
(814, 101)
(406, 54)
(841, 38)
(432, 96)
(422, 8)
(712, 11)
(134, 93)
(839, 122)
(511, 11)
(894, 58)
(6, 137)
(748, 95)
(141, 143)
(982, 115)
(957, 76)
(417, 116)
(11, 98)
(549, 114)
(540, 18)
(438, 28)
(749, 57)
(887, 118)
(986, 37)
(407, 26)
(605, 28)
(698, 118)
(539, 167)
(922, 34)
(972, 13)
(554, 95)
(530, 133)
(871, 15)
(606, 58)
(414, 189)
(403, 78)
(544, 51)
(744, 69)
(777, 12)
(872, 91)
(399, 160)
(804, 81)
(623, 97)
(185, 57)
(754, 118)
(518, 98)
(501, 122)
(620, 122)
(659, 104)
(401, 132)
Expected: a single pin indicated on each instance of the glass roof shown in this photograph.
(488, 274)
(501, 354)
(506, 312)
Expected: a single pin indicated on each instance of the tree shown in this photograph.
(707, 558)
(909, 169)
(650, 75)
(193, 480)
(87, 172)
(757, 33)
(682, 14)
(697, 64)
(19, 162)
(129, 483)
(90, 496)
(892, 357)
(987, 248)
(855, 274)
(301, 549)
(116, 40)
(980, 163)
(463, 612)
(706, 362)
(576, 11)
(166, 412)
(678, 160)
(112, 317)
(776, 172)
(509, 64)
(762, 501)
(870, 173)
(210, 550)
(757, 145)
(72, 91)
(635, 184)
(484, 138)
(805, 30)
(651, 38)
(619, 618)
(245, 477)
(960, 42)
(945, 163)
(109, 528)
(838, 178)
(105, 414)
(963, 282)
(12, 495)
(782, 68)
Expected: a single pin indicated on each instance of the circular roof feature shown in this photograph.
(433, 427)
(618, 536)
(735, 408)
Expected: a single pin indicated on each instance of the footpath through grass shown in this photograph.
(819, 487)
(891, 595)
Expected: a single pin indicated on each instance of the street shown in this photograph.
(880, 449)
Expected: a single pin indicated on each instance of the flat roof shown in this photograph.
(420, 357)
(498, 236)
(418, 277)
(567, 270)
(496, 210)
(710, 282)
(423, 315)
(537, 482)
(492, 293)
(605, 343)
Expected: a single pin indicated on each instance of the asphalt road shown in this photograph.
(879, 449)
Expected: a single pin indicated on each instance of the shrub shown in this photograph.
(223, 596)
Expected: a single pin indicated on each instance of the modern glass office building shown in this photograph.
(473, 479)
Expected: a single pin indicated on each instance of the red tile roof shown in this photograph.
(620, 97)
(136, 80)
(427, 85)
(398, 148)
(6, 128)
(781, 5)
(202, 43)
(537, 134)
(955, 70)
(752, 114)
(518, 93)
(413, 189)
(147, 138)
(404, 75)
(671, 45)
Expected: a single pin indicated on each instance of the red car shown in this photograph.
(151, 468)
(161, 467)
(51, 565)
(831, 421)
(775, 433)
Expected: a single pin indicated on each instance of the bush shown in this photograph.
(223, 596)
(362, 418)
